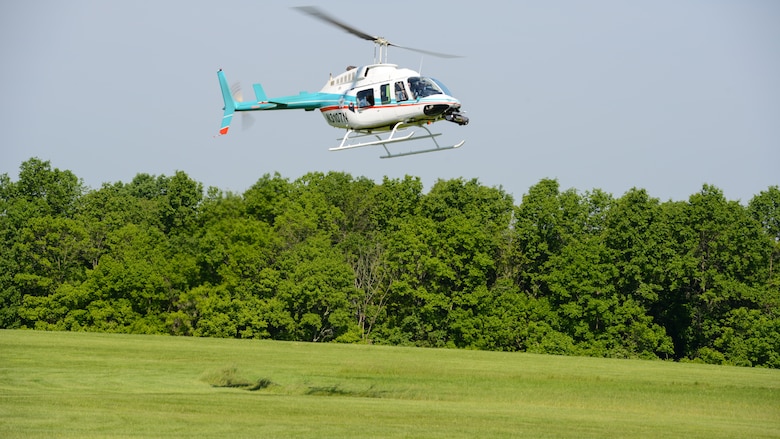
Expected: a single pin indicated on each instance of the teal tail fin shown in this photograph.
(230, 103)
(260, 93)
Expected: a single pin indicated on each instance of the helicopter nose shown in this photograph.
(454, 115)
(435, 109)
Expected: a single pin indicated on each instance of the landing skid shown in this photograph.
(394, 138)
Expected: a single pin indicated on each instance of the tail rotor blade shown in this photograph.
(247, 120)
(236, 92)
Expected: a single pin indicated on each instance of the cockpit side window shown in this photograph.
(422, 87)
(414, 87)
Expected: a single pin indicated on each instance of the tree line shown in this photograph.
(331, 257)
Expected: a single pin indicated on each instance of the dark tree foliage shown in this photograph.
(330, 257)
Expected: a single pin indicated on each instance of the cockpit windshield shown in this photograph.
(422, 87)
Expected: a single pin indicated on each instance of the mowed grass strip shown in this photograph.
(58, 384)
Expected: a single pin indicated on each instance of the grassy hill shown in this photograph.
(58, 384)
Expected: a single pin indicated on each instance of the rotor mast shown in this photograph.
(380, 50)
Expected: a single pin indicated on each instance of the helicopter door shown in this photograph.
(400, 92)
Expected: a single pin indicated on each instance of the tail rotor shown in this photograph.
(247, 120)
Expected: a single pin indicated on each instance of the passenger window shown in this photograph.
(384, 93)
(365, 98)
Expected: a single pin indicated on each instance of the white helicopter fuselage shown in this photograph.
(378, 96)
(365, 101)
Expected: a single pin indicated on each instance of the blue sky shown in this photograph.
(661, 95)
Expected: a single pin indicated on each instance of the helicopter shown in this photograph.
(374, 103)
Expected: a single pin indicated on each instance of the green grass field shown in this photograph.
(55, 384)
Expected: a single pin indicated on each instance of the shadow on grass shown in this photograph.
(230, 377)
(338, 391)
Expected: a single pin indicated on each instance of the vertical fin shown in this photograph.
(230, 104)
(260, 93)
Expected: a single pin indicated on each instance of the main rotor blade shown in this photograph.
(317, 13)
(427, 52)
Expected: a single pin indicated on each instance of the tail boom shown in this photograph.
(302, 101)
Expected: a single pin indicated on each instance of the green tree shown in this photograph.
(442, 263)
(396, 200)
(35, 213)
(137, 282)
(51, 191)
(636, 237)
(10, 295)
(168, 203)
(716, 265)
(51, 251)
(268, 197)
(329, 257)
(544, 223)
(372, 279)
(765, 208)
(104, 211)
(354, 198)
(749, 337)
(179, 206)
(317, 293)
(418, 308)
(308, 214)
(236, 258)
